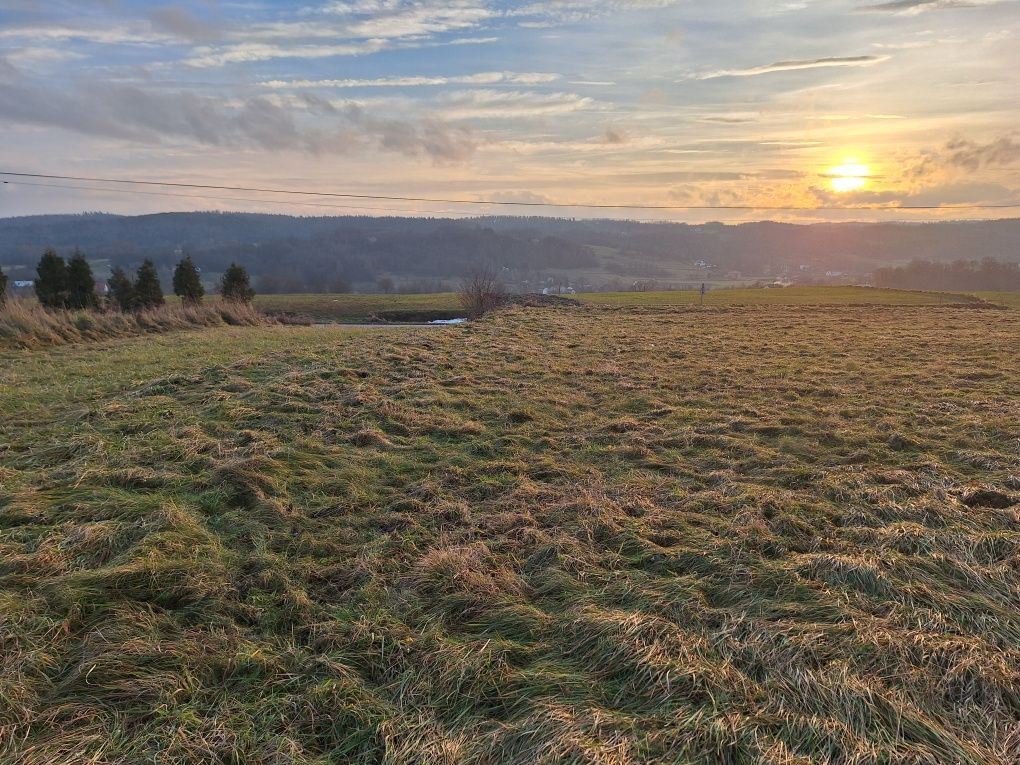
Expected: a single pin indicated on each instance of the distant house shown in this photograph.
(23, 284)
(559, 291)
(102, 288)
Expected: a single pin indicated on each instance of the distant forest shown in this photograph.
(298, 254)
(986, 274)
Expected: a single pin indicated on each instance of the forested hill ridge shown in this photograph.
(291, 254)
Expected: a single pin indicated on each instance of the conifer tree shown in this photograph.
(148, 290)
(122, 289)
(81, 284)
(235, 285)
(187, 284)
(51, 280)
(3, 288)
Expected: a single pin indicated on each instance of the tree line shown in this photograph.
(298, 254)
(70, 284)
(985, 274)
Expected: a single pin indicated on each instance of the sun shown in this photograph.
(850, 176)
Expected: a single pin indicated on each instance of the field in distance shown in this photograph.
(351, 307)
(624, 535)
(1010, 299)
(356, 308)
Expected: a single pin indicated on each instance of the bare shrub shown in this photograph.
(481, 292)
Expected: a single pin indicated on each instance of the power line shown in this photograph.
(232, 199)
(572, 205)
(321, 205)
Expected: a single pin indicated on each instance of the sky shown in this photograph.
(828, 103)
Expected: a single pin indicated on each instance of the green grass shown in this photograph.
(593, 534)
(356, 308)
(1010, 299)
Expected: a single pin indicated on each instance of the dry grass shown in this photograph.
(26, 324)
(783, 296)
(604, 535)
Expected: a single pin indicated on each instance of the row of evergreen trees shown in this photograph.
(144, 292)
(70, 284)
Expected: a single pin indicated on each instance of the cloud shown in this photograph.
(8, 72)
(571, 11)
(529, 197)
(114, 34)
(914, 7)
(614, 136)
(963, 155)
(789, 66)
(973, 156)
(846, 117)
(253, 52)
(180, 22)
(942, 195)
(131, 114)
(733, 118)
(499, 104)
(382, 20)
(431, 137)
(418, 20)
(34, 56)
(482, 78)
(250, 52)
(705, 176)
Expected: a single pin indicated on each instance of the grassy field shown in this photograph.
(358, 308)
(781, 296)
(612, 535)
(1011, 299)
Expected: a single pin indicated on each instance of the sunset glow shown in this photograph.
(851, 176)
(697, 111)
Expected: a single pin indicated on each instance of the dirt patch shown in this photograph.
(989, 498)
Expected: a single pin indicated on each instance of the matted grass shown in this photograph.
(781, 296)
(612, 535)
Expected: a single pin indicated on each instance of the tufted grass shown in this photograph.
(580, 535)
(25, 324)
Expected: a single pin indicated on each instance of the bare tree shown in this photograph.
(480, 292)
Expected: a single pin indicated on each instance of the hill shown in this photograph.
(306, 254)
